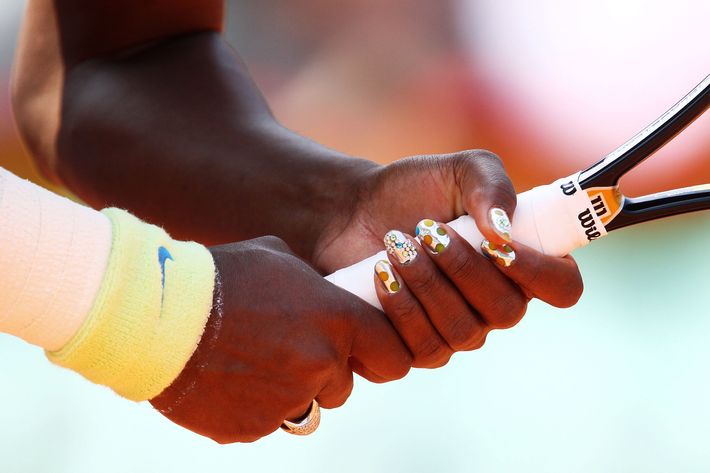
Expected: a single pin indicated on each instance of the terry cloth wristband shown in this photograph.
(149, 314)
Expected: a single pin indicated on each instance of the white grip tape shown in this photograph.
(553, 219)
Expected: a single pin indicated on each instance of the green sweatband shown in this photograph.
(149, 314)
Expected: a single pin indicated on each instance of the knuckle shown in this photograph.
(432, 354)
(394, 365)
(496, 179)
(503, 189)
(423, 283)
(508, 310)
(478, 342)
(477, 156)
(405, 311)
(429, 349)
(338, 398)
(486, 155)
(273, 242)
(432, 348)
(498, 190)
(462, 267)
(461, 331)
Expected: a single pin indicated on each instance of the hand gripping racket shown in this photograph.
(571, 212)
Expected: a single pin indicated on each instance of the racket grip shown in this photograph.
(551, 219)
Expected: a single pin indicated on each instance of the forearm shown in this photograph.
(53, 255)
(179, 134)
(105, 294)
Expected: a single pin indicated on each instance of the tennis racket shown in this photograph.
(571, 212)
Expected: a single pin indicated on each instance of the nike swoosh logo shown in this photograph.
(163, 256)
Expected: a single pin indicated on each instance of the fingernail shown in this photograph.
(501, 223)
(400, 247)
(432, 235)
(503, 255)
(384, 272)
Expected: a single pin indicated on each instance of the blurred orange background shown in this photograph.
(550, 86)
(616, 384)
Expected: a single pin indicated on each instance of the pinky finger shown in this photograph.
(556, 281)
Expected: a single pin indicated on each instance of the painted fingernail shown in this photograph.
(432, 235)
(400, 247)
(503, 255)
(384, 272)
(501, 223)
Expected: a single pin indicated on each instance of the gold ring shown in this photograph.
(306, 425)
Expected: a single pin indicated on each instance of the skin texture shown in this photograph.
(148, 108)
(434, 331)
(264, 357)
(440, 187)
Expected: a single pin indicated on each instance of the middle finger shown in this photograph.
(499, 301)
(448, 311)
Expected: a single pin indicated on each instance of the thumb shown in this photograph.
(377, 353)
(487, 194)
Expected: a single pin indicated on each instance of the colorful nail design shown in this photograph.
(432, 235)
(501, 223)
(503, 255)
(385, 274)
(400, 247)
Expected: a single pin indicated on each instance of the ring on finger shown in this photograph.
(307, 424)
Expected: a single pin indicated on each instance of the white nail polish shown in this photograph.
(501, 223)
(400, 247)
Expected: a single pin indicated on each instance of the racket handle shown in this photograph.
(554, 219)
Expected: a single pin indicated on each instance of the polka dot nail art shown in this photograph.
(502, 255)
(433, 235)
(385, 274)
(501, 223)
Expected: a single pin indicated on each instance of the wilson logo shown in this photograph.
(568, 188)
(590, 228)
(599, 206)
(606, 201)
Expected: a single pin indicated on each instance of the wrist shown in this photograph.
(149, 313)
(318, 189)
(348, 194)
(353, 195)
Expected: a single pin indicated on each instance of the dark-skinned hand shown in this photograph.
(278, 337)
(448, 301)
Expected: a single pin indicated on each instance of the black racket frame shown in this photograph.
(608, 171)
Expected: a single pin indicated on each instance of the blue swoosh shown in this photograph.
(163, 255)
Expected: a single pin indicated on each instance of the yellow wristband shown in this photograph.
(149, 314)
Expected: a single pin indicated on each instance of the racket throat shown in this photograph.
(607, 202)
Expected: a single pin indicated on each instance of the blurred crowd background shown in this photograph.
(618, 383)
